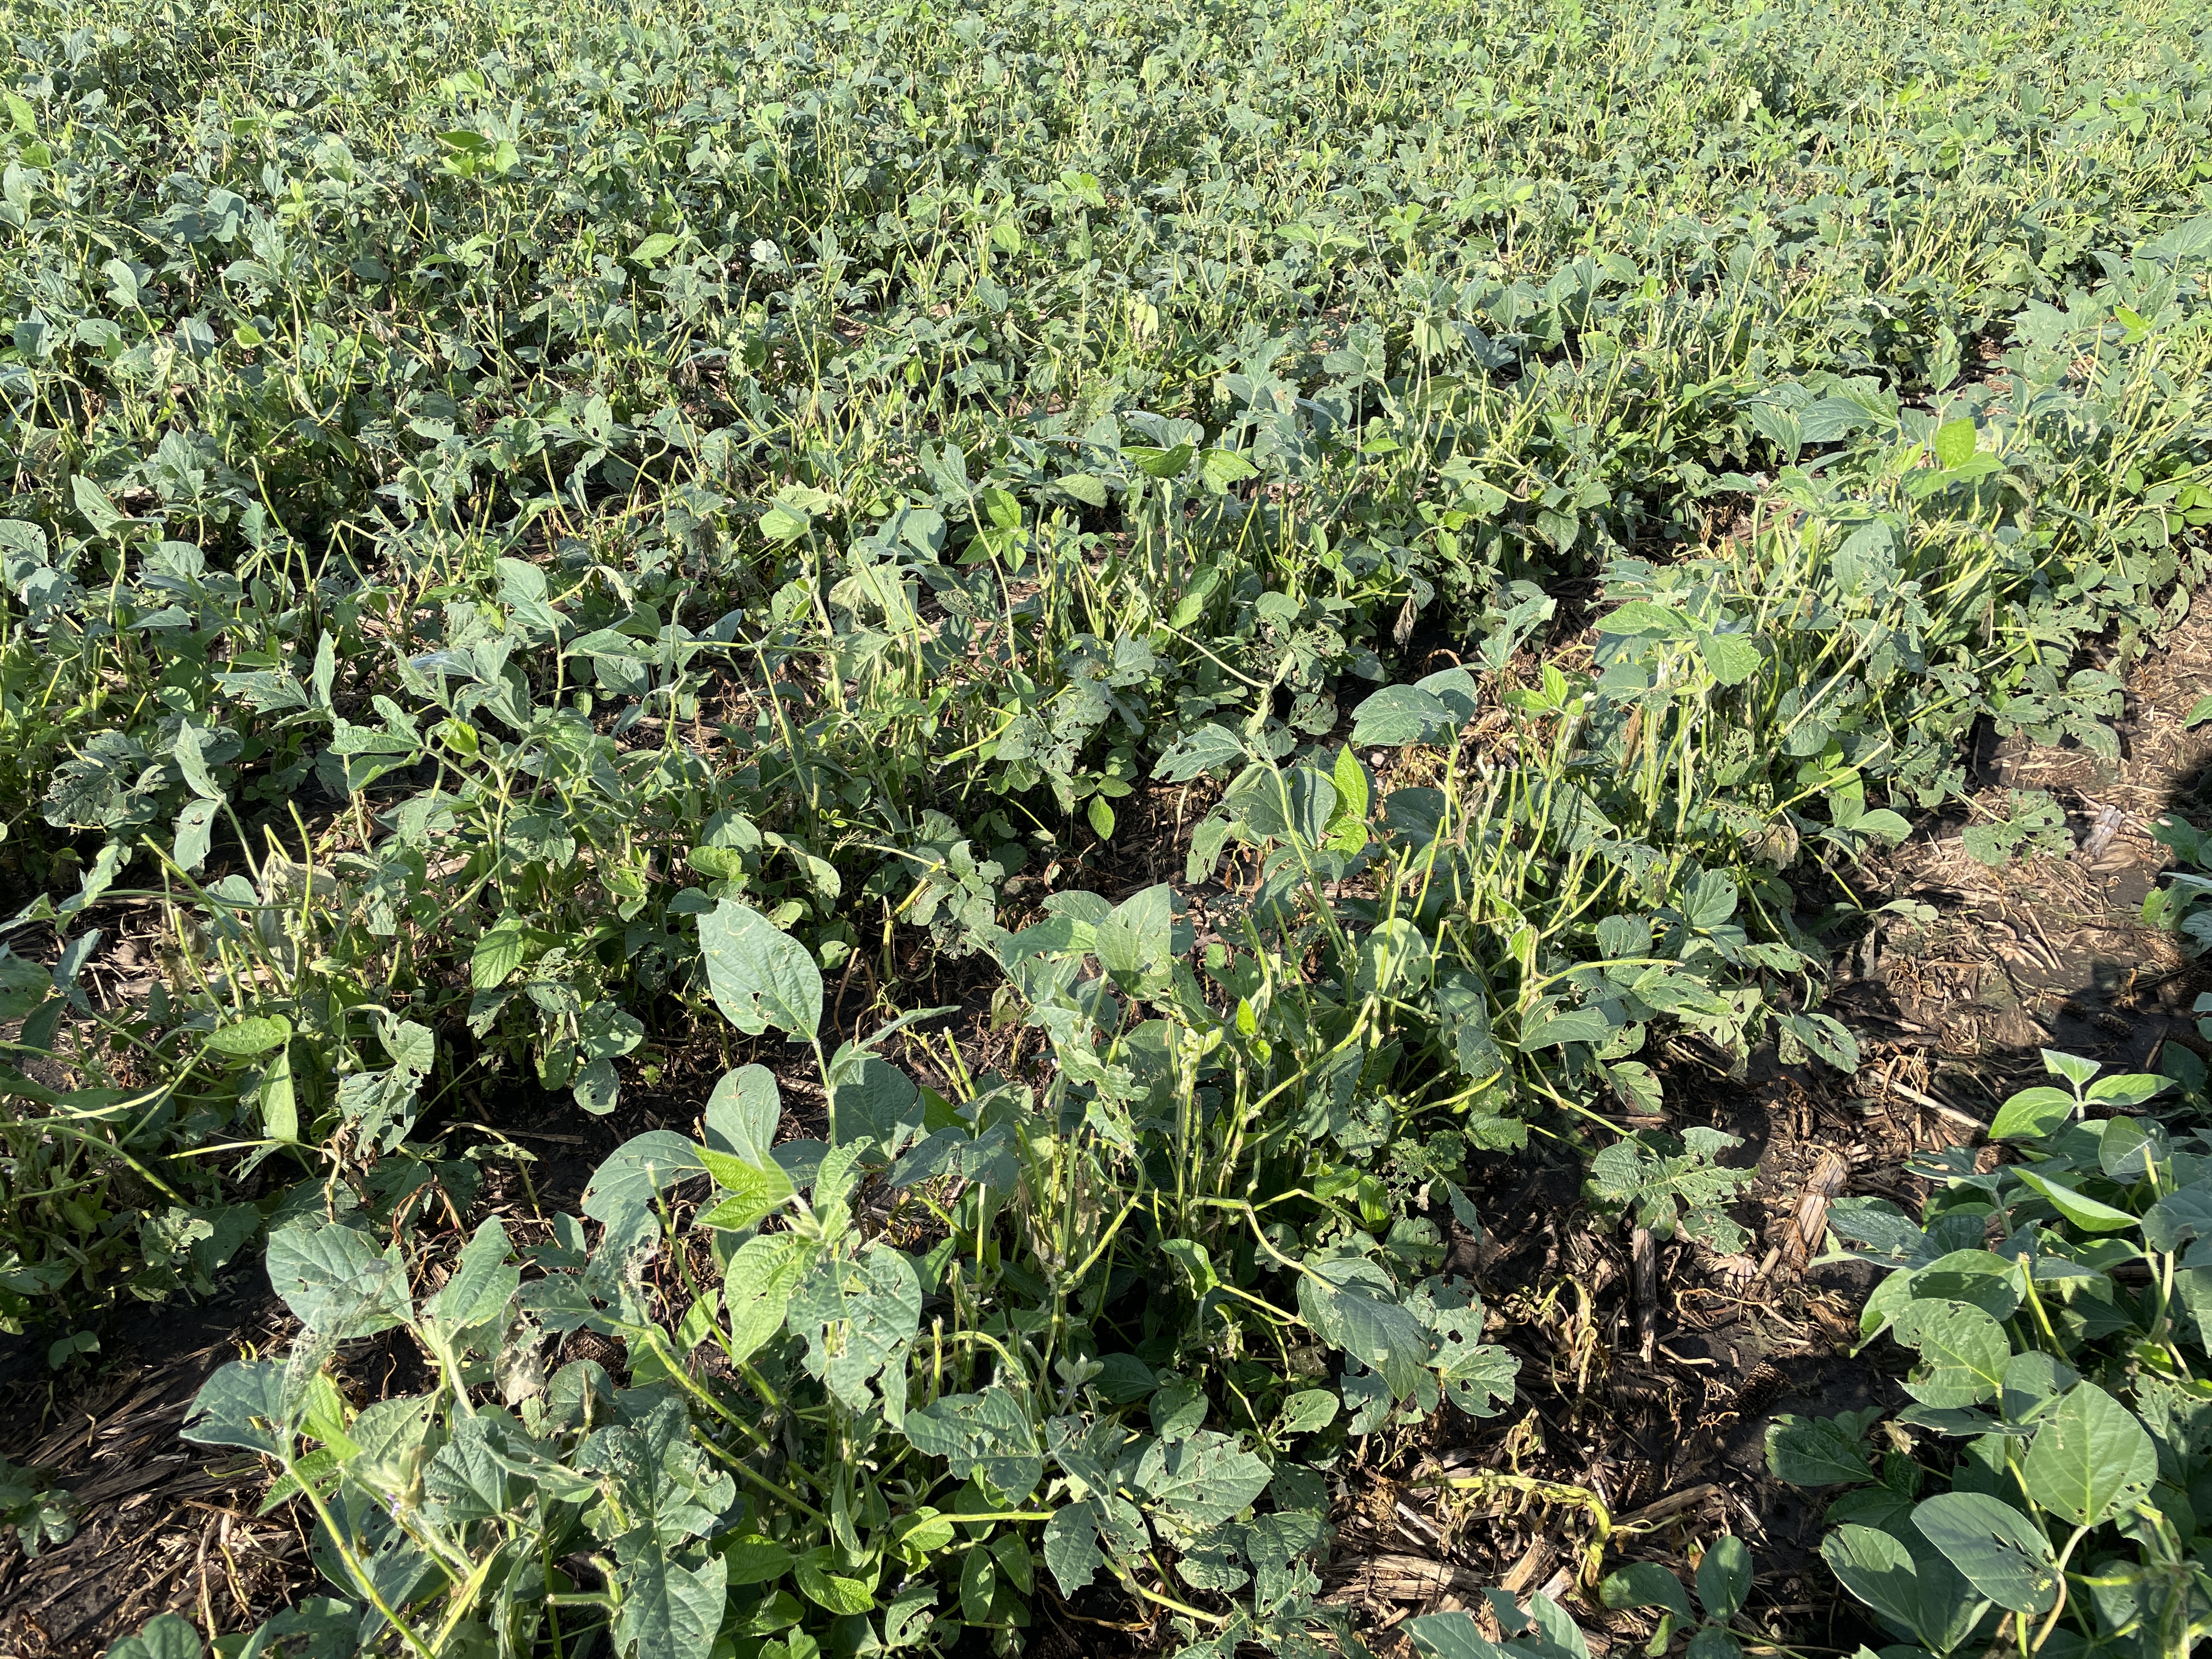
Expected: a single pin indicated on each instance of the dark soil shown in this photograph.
(163, 1524)
(1647, 1402)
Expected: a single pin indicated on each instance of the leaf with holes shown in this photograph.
(760, 976)
(2091, 1458)
(1995, 1547)
(1200, 1482)
(987, 1436)
(858, 1319)
(1963, 1352)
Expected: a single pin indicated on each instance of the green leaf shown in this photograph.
(1206, 749)
(869, 1098)
(193, 764)
(1201, 1481)
(1455, 689)
(1990, 843)
(166, 1635)
(1637, 1085)
(1818, 1451)
(1197, 1266)
(2032, 1113)
(229, 1406)
(604, 1032)
(1307, 1412)
(1012, 1551)
(1398, 715)
(1826, 1036)
(2032, 1381)
(1996, 1549)
(483, 1281)
(1962, 1352)
(1725, 1578)
(596, 1087)
(1178, 1409)
(2124, 1151)
(857, 1318)
(1222, 467)
(25, 984)
(1556, 1628)
(1395, 956)
(1352, 792)
(92, 501)
(413, 1048)
(754, 1191)
(498, 952)
(1136, 938)
(1647, 1584)
(2075, 1069)
(757, 1290)
(280, 1103)
(2179, 1216)
(784, 524)
(1660, 1177)
(1352, 1305)
(2090, 1215)
(1453, 1636)
(1954, 447)
(1161, 462)
(1570, 1025)
(1927, 1598)
(1828, 419)
(2128, 1089)
(2090, 1458)
(669, 1610)
(468, 1479)
(622, 1191)
(1882, 822)
(1731, 659)
(654, 248)
(1711, 899)
(334, 1280)
(759, 974)
(1101, 816)
(1981, 1279)
(1641, 618)
(985, 1435)
(1071, 1538)
(392, 1437)
(818, 1584)
(1477, 1377)
(751, 1558)
(742, 1114)
(256, 1035)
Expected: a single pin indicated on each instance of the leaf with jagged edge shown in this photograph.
(859, 1318)
(987, 1435)
(670, 1610)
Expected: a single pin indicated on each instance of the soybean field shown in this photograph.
(1061, 827)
